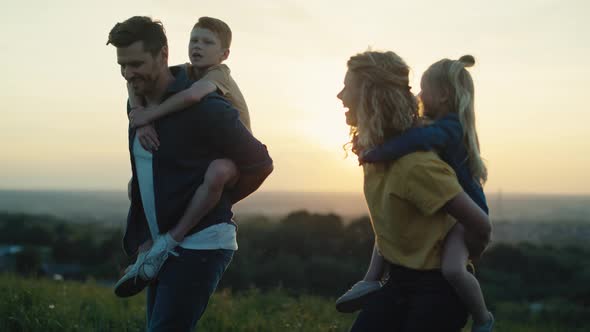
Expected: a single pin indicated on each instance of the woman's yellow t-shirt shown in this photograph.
(405, 198)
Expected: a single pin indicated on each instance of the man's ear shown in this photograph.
(164, 53)
(225, 54)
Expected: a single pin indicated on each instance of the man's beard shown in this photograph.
(145, 85)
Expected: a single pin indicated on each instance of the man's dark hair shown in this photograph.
(139, 28)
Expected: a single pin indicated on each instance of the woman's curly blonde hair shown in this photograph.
(386, 106)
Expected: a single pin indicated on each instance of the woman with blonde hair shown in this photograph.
(414, 204)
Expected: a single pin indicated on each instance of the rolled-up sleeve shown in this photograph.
(430, 185)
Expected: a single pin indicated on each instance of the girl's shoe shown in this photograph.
(356, 297)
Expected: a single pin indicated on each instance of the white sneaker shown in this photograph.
(356, 297)
(156, 256)
(130, 284)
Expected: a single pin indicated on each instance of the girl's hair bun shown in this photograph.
(467, 60)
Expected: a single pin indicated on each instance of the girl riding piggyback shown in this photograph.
(447, 95)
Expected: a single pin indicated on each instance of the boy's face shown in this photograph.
(204, 48)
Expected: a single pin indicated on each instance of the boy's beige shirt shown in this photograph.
(405, 200)
(220, 76)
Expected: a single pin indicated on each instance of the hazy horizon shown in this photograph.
(112, 206)
(87, 190)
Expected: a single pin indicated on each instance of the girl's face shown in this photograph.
(350, 97)
(433, 100)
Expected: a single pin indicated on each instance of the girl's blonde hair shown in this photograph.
(452, 76)
(386, 106)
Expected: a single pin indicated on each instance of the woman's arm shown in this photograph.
(179, 101)
(478, 228)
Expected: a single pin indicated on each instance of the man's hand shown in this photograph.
(140, 116)
(148, 138)
(247, 183)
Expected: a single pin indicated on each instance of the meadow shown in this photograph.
(285, 277)
(48, 305)
(28, 304)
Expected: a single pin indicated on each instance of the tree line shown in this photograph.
(302, 252)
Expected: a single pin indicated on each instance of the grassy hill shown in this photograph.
(47, 305)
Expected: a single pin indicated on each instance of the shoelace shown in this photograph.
(156, 260)
(139, 267)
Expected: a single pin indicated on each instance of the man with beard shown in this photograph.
(164, 182)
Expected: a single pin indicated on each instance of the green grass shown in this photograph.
(46, 305)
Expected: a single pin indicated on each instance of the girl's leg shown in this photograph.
(221, 172)
(454, 260)
(356, 297)
(376, 266)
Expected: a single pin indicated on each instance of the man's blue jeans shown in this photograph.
(178, 297)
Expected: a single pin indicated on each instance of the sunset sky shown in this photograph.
(63, 122)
